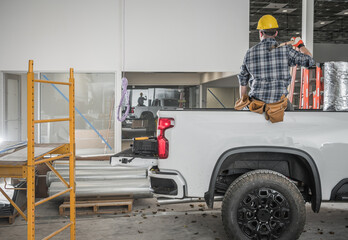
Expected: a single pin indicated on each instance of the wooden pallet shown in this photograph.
(108, 206)
(12, 218)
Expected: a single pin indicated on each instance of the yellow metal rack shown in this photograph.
(27, 169)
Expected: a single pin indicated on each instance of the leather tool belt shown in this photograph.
(273, 111)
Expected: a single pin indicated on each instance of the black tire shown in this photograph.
(263, 204)
(147, 116)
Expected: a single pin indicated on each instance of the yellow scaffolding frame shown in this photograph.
(28, 170)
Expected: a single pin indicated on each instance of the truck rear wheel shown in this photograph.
(263, 204)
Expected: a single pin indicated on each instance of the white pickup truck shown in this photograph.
(156, 105)
(265, 172)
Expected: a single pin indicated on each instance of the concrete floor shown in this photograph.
(180, 221)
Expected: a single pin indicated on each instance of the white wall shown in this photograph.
(227, 82)
(167, 79)
(57, 35)
(161, 35)
(186, 35)
(324, 52)
(227, 96)
(2, 108)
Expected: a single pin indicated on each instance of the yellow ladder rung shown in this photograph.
(52, 158)
(32, 160)
(53, 82)
(52, 197)
(52, 120)
(58, 231)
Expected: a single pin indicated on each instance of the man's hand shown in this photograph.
(243, 90)
(297, 42)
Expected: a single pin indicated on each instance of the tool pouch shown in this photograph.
(275, 111)
(256, 106)
(242, 102)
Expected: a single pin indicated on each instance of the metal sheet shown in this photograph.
(96, 167)
(139, 188)
(9, 192)
(84, 163)
(89, 172)
(98, 175)
(22, 154)
(10, 145)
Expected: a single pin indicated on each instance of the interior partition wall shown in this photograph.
(174, 36)
(95, 111)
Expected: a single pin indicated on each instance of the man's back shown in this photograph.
(266, 69)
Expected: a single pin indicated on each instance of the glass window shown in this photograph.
(140, 97)
(94, 101)
(142, 120)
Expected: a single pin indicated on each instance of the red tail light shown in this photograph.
(132, 110)
(163, 147)
(163, 144)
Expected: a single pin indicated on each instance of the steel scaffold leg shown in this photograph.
(30, 159)
(72, 156)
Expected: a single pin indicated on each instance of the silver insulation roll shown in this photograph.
(80, 162)
(138, 188)
(335, 86)
(98, 175)
(106, 168)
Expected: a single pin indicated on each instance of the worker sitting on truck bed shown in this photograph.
(266, 67)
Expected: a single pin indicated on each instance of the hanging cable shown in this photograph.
(125, 95)
(123, 41)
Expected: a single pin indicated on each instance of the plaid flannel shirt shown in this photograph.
(268, 71)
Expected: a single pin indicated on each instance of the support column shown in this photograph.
(308, 23)
(118, 76)
(201, 96)
(2, 106)
(118, 125)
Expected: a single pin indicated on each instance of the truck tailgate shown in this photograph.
(127, 158)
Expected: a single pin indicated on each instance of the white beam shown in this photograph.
(118, 125)
(201, 96)
(2, 106)
(307, 23)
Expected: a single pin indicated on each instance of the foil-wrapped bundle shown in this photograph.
(335, 86)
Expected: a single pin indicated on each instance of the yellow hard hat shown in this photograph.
(267, 22)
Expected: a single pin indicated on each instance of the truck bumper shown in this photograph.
(167, 184)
